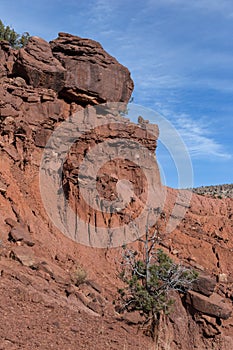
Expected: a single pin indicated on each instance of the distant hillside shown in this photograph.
(217, 191)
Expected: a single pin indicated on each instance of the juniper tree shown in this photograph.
(149, 276)
(15, 40)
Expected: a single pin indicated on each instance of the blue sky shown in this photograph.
(180, 54)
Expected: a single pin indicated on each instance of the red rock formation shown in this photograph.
(92, 74)
(7, 58)
(116, 150)
(79, 69)
(37, 65)
(40, 303)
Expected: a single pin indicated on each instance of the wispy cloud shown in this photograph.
(224, 7)
(198, 137)
(100, 13)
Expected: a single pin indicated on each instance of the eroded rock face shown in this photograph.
(27, 117)
(204, 284)
(36, 258)
(95, 186)
(78, 69)
(37, 65)
(212, 306)
(7, 58)
(92, 74)
(24, 255)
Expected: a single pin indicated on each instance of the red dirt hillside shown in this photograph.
(42, 306)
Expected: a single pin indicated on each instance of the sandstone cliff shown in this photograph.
(42, 307)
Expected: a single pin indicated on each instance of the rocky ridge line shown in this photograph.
(217, 191)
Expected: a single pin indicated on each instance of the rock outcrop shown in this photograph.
(213, 306)
(41, 86)
(7, 58)
(204, 284)
(92, 74)
(217, 191)
(36, 64)
(80, 70)
(112, 204)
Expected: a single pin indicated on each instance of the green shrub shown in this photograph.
(149, 282)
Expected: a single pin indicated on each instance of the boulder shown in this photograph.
(93, 76)
(212, 306)
(132, 318)
(36, 64)
(24, 255)
(20, 233)
(204, 284)
(41, 137)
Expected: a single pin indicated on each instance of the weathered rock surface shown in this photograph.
(39, 305)
(79, 69)
(7, 58)
(24, 255)
(37, 65)
(20, 233)
(132, 318)
(3, 186)
(93, 76)
(204, 284)
(118, 135)
(213, 305)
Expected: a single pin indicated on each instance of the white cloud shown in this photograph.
(198, 137)
(167, 57)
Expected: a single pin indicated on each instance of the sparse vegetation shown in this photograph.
(149, 280)
(15, 40)
(78, 276)
(215, 191)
